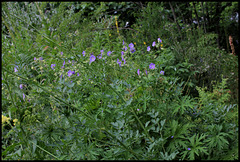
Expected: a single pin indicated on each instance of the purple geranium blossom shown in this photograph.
(152, 66)
(138, 71)
(23, 96)
(159, 40)
(162, 72)
(109, 53)
(83, 53)
(123, 42)
(21, 86)
(15, 69)
(119, 62)
(77, 74)
(70, 73)
(92, 58)
(61, 53)
(131, 45)
(52, 66)
(154, 43)
(189, 148)
(64, 63)
(35, 58)
(40, 58)
(125, 48)
(146, 71)
(148, 48)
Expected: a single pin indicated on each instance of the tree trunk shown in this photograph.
(196, 14)
(204, 20)
(175, 19)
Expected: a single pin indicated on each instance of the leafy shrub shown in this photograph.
(80, 101)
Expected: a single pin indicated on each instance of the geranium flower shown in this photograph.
(52, 66)
(83, 53)
(119, 62)
(70, 73)
(109, 53)
(92, 58)
(15, 69)
(162, 72)
(159, 40)
(138, 72)
(148, 48)
(23, 96)
(152, 66)
(154, 43)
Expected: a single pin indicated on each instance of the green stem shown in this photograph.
(45, 150)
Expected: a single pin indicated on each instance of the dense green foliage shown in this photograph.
(80, 84)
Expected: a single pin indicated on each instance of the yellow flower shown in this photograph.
(5, 119)
(144, 42)
(109, 35)
(135, 43)
(161, 45)
(15, 121)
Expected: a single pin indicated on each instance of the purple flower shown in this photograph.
(138, 72)
(189, 148)
(77, 74)
(21, 86)
(124, 61)
(101, 51)
(15, 69)
(131, 45)
(146, 71)
(34, 58)
(154, 43)
(125, 48)
(61, 76)
(83, 53)
(148, 48)
(40, 58)
(137, 109)
(159, 40)
(61, 53)
(64, 63)
(162, 72)
(23, 96)
(92, 58)
(52, 66)
(152, 66)
(69, 61)
(109, 53)
(70, 73)
(123, 42)
(119, 62)
(171, 136)
(122, 53)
